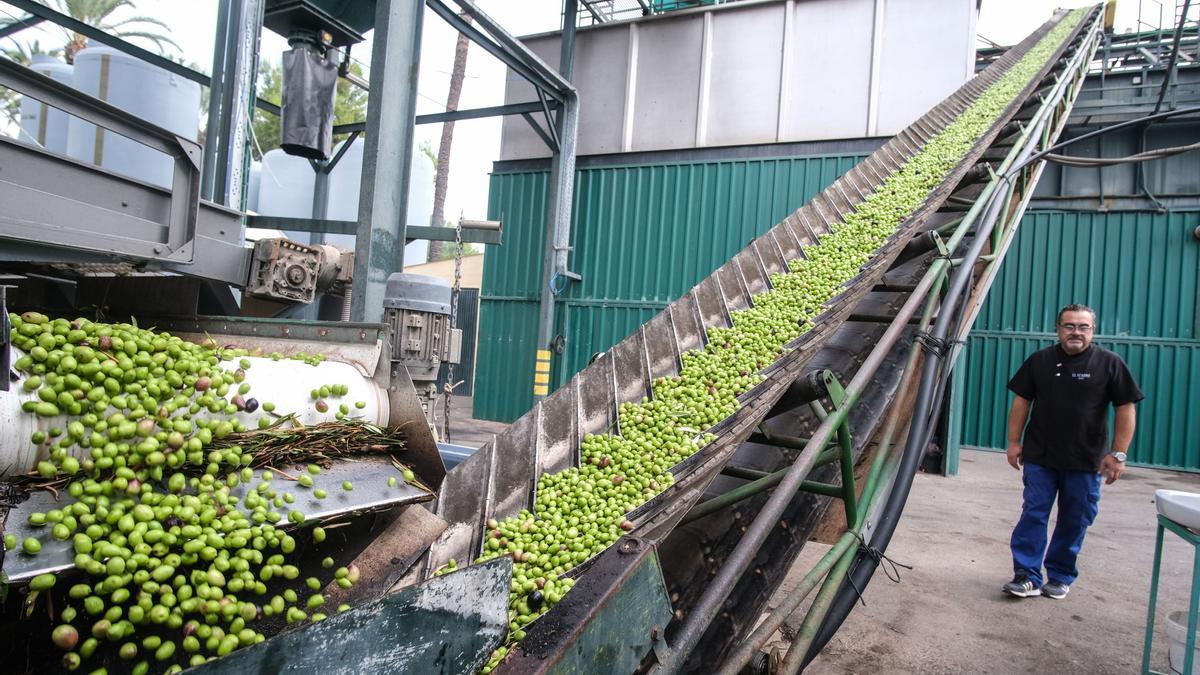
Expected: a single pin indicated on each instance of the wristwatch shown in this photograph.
(1119, 456)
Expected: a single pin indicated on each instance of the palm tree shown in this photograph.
(98, 13)
(442, 177)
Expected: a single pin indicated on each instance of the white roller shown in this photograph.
(286, 383)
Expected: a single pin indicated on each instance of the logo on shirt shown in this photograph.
(1081, 376)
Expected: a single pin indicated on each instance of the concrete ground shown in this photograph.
(947, 615)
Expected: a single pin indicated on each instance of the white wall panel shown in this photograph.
(754, 72)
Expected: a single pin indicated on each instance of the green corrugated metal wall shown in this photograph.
(1141, 273)
(641, 236)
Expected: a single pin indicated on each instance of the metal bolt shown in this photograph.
(158, 249)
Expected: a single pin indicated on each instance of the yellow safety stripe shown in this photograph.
(541, 378)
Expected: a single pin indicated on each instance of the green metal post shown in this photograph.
(754, 487)
(954, 423)
(1149, 641)
(849, 496)
(1192, 607)
(816, 613)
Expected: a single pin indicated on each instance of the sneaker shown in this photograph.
(1021, 587)
(1056, 590)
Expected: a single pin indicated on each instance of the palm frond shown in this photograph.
(136, 19)
(158, 39)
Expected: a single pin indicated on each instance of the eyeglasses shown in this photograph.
(1073, 327)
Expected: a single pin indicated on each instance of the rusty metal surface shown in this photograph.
(449, 624)
(405, 412)
(354, 343)
(608, 622)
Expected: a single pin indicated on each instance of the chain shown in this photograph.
(448, 387)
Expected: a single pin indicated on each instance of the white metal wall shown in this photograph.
(756, 72)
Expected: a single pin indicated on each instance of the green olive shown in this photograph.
(42, 582)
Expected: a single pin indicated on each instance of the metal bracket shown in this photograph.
(846, 491)
(5, 333)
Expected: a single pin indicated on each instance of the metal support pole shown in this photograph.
(757, 486)
(216, 95)
(231, 91)
(391, 111)
(320, 202)
(559, 196)
(954, 420)
(847, 492)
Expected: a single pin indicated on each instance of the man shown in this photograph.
(1065, 448)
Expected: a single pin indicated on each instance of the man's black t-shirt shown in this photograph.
(1068, 428)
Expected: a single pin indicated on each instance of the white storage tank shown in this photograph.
(155, 95)
(285, 189)
(344, 182)
(40, 123)
(253, 184)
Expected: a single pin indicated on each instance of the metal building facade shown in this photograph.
(754, 72)
(1140, 271)
(641, 237)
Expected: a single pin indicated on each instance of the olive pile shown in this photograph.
(579, 512)
(174, 566)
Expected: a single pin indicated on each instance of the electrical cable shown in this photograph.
(1149, 155)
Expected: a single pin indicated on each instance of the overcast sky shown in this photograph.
(477, 142)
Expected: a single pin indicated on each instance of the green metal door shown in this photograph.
(641, 236)
(1140, 271)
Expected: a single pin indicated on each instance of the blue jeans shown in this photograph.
(1078, 494)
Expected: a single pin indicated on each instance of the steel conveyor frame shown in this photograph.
(1044, 125)
(547, 438)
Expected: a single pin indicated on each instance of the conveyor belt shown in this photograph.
(499, 480)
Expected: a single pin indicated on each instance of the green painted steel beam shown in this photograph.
(954, 423)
